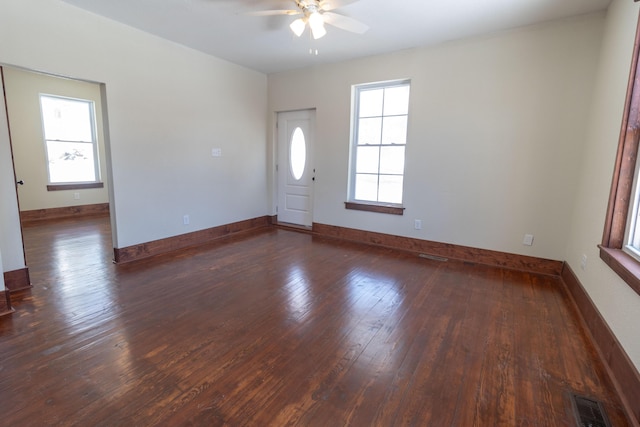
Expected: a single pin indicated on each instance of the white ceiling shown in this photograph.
(227, 30)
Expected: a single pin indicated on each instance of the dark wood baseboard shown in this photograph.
(444, 250)
(17, 280)
(157, 247)
(64, 212)
(621, 369)
(5, 303)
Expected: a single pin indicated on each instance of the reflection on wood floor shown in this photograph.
(279, 328)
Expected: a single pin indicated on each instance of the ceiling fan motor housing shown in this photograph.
(309, 6)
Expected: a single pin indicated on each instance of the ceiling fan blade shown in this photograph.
(327, 5)
(275, 12)
(345, 23)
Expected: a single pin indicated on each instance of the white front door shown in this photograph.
(295, 167)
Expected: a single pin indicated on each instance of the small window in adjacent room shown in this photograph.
(380, 116)
(620, 248)
(71, 146)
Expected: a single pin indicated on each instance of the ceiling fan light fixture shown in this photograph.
(316, 22)
(298, 26)
(317, 13)
(318, 32)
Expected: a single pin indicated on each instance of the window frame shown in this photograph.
(621, 200)
(369, 205)
(69, 185)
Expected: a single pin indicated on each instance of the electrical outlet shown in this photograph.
(76, 196)
(583, 262)
(216, 152)
(528, 240)
(185, 220)
(417, 224)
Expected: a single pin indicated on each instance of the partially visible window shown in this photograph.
(70, 140)
(380, 116)
(620, 248)
(632, 235)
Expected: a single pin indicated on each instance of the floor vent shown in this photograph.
(589, 412)
(433, 257)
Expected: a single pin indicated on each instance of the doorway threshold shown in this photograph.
(294, 227)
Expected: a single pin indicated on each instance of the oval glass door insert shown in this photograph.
(297, 153)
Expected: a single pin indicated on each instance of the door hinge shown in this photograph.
(276, 168)
(276, 208)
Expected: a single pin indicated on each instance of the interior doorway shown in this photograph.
(40, 155)
(296, 170)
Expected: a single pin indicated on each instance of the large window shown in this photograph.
(620, 248)
(70, 140)
(380, 115)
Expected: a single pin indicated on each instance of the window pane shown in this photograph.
(392, 160)
(298, 153)
(367, 159)
(371, 103)
(66, 119)
(366, 187)
(635, 234)
(390, 189)
(70, 162)
(394, 130)
(396, 100)
(369, 131)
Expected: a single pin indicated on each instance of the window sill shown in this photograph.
(387, 209)
(79, 186)
(624, 265)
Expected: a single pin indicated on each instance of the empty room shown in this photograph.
(319, 213)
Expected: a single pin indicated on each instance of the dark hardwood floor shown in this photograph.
(277, 328)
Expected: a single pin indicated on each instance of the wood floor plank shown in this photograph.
(279, 328)
(486, 392)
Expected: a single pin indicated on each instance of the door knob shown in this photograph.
(21, 182)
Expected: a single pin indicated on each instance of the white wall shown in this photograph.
(10, 235)
(616, 301)
(496, 126)
(2, 287)
(23, 89)
(168, 106)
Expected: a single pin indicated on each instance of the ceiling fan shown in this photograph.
(316, 13)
